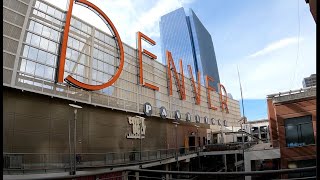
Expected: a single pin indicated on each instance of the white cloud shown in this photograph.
(276, 46)
(128, 16)
(272, 73)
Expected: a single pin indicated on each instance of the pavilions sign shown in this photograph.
(140, 36)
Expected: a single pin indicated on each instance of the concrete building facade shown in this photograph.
(310, 81)
(36, 112)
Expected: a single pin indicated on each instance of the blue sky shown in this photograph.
(260, 37)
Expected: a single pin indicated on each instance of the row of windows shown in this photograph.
(77, 56)
(81, 35)
(47, 17)
(44, 31)
(37, 69)
(49, 10)
(39, 55)
(299, 131)
(78, 45)
(80, 25)
(41, 42)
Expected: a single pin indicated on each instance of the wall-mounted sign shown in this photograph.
(163, 112)
(147, 109)
(188, 117)
(197, 117)
(138, 127)
(219, 122)
(225, 123)
(213, 122)
(177, 115)
(206, 120)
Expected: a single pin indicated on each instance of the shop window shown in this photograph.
(299, 131)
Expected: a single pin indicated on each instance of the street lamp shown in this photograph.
(199, 145)
(140, 125)
(73, 169)
(242, 121)
(176, 125)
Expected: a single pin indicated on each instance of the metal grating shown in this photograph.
(7, 76)
(12, 31)
(8, 60)
(11, 16)
(10, 45)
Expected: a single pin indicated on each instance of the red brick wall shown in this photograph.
(273, 127)
(290, 110)
(313, 9)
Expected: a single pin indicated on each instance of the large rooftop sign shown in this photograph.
(171, 67)
(62, 56)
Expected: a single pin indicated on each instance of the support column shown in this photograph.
(268, 135)
(225, 162)
(125, 175)
(247, 165)
(137, 175)
(167, 169)
(236, 160)
(259, 133)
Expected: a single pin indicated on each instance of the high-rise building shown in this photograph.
(187, 39)
(230, 96)
(310, 81)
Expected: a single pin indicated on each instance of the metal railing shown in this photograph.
(127, 174)
(25, 162)
(14, 163)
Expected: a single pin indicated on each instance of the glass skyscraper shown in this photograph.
(187, 39)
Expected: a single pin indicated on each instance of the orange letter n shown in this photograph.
(180, 83)
(150, 41)
(197, 93)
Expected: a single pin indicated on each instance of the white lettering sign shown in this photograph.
(138, 127)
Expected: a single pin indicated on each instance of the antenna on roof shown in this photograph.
(241, 92)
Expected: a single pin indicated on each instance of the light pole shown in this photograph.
(197, 139)
(242, 119)
(176, 127)
(197, 135)
(140, 139)
(73, 169)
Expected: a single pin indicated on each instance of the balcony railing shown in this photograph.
(295, 94)
(17, 163)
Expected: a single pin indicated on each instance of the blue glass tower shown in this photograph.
(187, 39)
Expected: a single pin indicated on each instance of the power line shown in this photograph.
(295, 68)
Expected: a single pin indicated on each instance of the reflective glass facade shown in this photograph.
(204, 50)
(187, 38)
(175, 37)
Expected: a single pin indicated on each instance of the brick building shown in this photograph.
(313, 8)
(292, 118)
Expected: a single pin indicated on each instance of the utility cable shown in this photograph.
(295, 68)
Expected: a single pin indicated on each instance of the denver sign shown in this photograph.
(140, 36)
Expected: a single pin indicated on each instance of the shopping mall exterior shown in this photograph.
(46, 69)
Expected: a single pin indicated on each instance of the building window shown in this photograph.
(299, 131)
